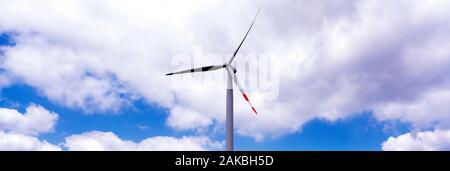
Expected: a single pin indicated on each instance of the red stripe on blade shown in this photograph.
(254, 110)
(245, 97)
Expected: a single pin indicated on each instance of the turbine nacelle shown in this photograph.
(231, 70)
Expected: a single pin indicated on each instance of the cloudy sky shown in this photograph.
(349, 74)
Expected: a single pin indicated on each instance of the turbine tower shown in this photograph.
(231, 77)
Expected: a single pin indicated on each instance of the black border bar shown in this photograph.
(225, 160)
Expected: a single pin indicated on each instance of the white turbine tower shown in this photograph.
(230, 78)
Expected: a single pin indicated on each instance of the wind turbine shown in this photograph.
(231, 76)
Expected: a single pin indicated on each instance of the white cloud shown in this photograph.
(97, 141)
(108, 141)
(419, 141)
(198, 143)
(337, 58)
(429, 110)
(34, 121)
(4, 80)
(19, 142)
(18, 131)
(182, 119)
(67, 80)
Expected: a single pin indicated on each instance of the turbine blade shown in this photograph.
(234, 55)
(201, 69)
(236, 81)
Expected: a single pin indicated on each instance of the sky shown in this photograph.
(323, 75)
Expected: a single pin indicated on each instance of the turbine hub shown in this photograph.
(232, 67)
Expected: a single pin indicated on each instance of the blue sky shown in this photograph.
(323, 75)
